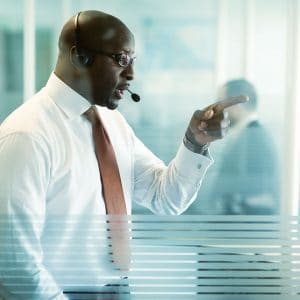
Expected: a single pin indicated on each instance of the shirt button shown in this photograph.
(199, 166)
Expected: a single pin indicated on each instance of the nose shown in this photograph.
(128, 72)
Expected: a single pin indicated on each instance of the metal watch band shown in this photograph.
(200, 149)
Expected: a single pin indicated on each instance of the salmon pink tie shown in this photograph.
(111, 189)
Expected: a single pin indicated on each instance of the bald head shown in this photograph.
(96, 30)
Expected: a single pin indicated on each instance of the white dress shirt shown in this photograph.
(49, 173)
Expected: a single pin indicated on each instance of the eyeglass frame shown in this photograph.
(115, 56)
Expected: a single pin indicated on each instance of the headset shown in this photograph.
(84, 58)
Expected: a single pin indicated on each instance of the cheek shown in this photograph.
(104, 87)
(102, 72)
(107, 79)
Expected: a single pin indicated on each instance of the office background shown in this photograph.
(185, 51)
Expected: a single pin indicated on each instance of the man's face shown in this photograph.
(106, 78)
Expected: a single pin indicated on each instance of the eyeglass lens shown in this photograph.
(125, 60)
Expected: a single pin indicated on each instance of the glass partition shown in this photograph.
(168, 257)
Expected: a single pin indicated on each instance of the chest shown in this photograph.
(75, 184)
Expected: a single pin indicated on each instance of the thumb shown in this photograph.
(208, 114)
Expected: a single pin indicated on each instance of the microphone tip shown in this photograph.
(135, 97)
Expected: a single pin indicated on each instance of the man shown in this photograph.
(52, 193)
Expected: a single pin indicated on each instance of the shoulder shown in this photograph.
(257, 130)
(31, 118)
(31, 124)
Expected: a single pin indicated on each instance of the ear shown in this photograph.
(80, 58)
(74, 58)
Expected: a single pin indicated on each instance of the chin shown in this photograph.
(112, 103)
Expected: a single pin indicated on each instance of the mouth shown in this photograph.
(119, 91)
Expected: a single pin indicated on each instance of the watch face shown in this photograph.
(200, 149)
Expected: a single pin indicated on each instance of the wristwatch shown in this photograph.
(196, 148)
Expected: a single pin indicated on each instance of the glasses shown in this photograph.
(123, 59)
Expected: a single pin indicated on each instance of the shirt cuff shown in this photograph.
(189, 163)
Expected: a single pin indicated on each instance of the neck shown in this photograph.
(76, 82)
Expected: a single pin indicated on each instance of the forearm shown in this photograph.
(171, 189)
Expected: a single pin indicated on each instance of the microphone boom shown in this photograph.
(135, 97)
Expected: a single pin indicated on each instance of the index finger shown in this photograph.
(223, 104)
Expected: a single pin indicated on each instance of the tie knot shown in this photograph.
(92, 115)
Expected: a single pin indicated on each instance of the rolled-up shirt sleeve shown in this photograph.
(24, 175)
(168, 189)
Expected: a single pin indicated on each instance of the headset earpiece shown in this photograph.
(83, 58)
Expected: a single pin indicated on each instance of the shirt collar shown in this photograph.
(69, 101)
